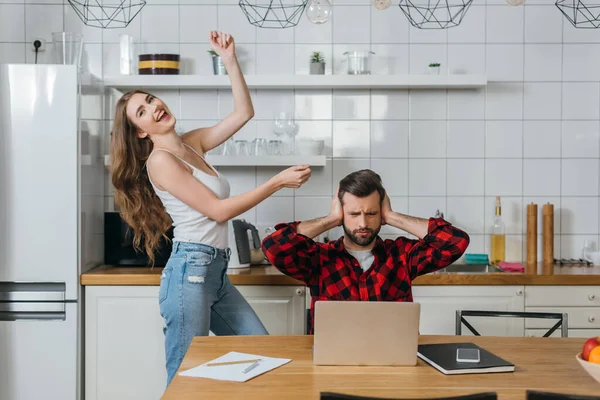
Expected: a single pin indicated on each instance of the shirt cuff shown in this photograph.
(435, 223)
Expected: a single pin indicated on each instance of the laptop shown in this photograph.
(366, 333)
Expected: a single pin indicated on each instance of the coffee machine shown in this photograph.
(242, 256)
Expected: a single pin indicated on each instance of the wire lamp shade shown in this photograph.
(435, 14)
(582, 14)
(111, 14)
(275, 14)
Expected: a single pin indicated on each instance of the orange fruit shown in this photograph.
(594, 356)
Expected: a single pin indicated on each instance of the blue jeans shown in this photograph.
(196, 296)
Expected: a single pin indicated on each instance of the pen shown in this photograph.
(218, 364)
(251, 367)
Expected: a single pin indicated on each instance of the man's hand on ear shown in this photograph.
(386, 210)
(336, 212)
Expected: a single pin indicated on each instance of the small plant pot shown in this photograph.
(434, 70)
(317, 68)
(218, 66)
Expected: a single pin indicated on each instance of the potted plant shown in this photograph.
(434, 68)
(218, 66)
(317, 64)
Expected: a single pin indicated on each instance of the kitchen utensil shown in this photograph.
(256, 256)
(67, 47)
(594, 257)
(291, 129)
(359, 62)
(229, 148)
(126, 54)
(158, 64)
(275, 147)
(242, 148)
(532, 212)
(279, 122)
(548, 238)
(242, 243)
(259, 147)
(589, 367)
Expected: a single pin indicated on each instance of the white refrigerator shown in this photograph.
(40, 232)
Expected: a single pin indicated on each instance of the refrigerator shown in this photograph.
(40, 232)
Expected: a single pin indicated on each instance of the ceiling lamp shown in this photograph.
(275, 14)
(582, 14)
(318, 11)
(117, 15)
(381, 4)
(436, 14)
(515, 2)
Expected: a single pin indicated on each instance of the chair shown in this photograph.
(477, 396)
(536, 395)
(561, 317)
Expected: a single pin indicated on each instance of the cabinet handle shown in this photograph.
(520, 292)
(592, 296)
(299, 292)
(591, 319)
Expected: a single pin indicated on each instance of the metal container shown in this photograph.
(359, 62)
(218, 66)
(317, 68)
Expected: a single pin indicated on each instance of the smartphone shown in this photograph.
(467, 355)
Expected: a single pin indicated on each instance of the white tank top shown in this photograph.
(189, 225)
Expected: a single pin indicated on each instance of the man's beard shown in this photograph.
(362, 240)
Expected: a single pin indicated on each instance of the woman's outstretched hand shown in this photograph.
(223, 44)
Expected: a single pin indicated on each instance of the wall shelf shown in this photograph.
(126, 82)
(253, 161)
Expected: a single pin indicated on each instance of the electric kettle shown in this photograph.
(241, 253)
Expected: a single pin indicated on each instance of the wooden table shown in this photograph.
(546, 364)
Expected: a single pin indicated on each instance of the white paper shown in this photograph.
(235, 372)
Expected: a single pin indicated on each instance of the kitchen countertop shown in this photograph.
(268, 275)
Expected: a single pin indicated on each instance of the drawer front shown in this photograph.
(573, 333)
(578, 317)
(562, 296)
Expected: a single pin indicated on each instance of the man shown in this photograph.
(360, 265)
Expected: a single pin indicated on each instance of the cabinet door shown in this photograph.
(573, 333)
(439, 305)
(124, 348)
(280, 308)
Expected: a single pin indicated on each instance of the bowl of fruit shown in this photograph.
(589, 358)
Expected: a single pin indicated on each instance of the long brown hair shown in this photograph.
(139, 206)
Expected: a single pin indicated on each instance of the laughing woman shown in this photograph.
(162, 179)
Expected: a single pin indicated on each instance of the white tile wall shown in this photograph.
(533, 134)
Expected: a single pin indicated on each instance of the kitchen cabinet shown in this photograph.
(124, 342)
(439, 305)
(580, 303)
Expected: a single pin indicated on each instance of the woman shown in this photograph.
(162, 179)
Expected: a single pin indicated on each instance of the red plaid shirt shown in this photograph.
(331, 273)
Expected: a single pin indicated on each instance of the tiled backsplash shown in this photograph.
(532, 135)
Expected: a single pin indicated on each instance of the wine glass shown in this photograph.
(279, 122)
(291, 129)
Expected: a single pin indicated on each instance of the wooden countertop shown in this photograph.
(268, 275)
(543, 364)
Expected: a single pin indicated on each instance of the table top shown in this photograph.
(545, 364)
(269, 275)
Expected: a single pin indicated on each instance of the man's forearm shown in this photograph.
(315, 227)
(413, 225)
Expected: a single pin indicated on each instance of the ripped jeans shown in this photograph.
(196, 296)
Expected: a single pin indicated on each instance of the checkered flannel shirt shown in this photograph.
(331, 273)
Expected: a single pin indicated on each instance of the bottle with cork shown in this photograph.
(498, 238)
